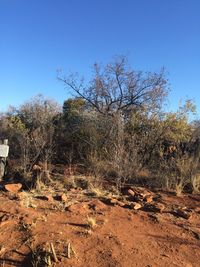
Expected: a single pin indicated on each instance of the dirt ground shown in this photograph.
(88, 231)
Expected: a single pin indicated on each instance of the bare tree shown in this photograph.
(116, 88)
(37, 116)
(114, 92)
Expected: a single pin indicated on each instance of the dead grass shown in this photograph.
(91, 222)
(195, 181)
(26, 200)
(179, 189)
(97, 191)
(41, 257)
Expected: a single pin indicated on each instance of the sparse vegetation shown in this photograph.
(40, 257)
(108, 176)
(113, 130)
(91, 222)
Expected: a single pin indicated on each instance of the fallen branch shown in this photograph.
(53, 252)
(69, 251)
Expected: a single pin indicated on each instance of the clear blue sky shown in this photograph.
(37, 37)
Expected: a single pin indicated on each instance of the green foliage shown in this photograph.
(15, 123)
(72, 107)
(176, 129)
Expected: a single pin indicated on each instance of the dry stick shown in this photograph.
(49, 257)
(69, 251)
(53, 252)
(74, 252)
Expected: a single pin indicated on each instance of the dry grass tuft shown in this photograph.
(26, 200)
(97, 191)
(179, 189)
(195, 181)
(41, 257)
(91, 222)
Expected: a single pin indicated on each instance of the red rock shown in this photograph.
(113, 201)
(48, 198)
(62, 197)
(144, 194)
(182, 213)
(120, 203)
(135, 206)
(13, 188)
(131, 193)
(157, 207)
(148, 199)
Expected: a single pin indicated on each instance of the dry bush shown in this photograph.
(41, 257)
(181, 173)
(97, 190)
(119, 165)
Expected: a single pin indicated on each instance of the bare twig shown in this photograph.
(53, 252)
(69, 251)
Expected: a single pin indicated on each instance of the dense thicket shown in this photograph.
(114, 127)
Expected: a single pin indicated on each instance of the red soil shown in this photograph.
(121, 237)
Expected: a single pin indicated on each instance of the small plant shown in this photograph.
(179, 188)
(91, 222)
(2, 249)
(97, 191)
(41, 257)
(195, 181)
(27, 202)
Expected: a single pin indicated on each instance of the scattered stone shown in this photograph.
(61, 197)
(157, 207)
(148, 199)
(196, 234)
(156, 217)
(141, 191)
(13, 188)
(135, 206)
(144, 194)
(113, 201)
(182, 213)
(48, 198)
(120, 203)
(131, 193)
